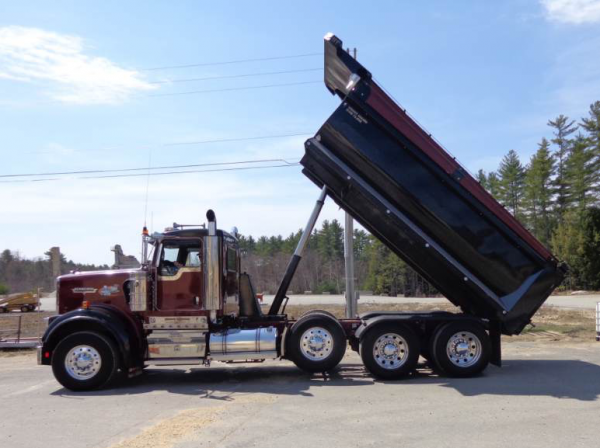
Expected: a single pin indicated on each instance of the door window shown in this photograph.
(177, 256)
(193, 258)
(231, 260)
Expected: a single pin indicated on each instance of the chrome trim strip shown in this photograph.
(180, 272)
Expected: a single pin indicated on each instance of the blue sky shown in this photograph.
(483, 77)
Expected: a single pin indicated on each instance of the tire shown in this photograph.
(401, 357)
(461, 349)
(317, 343)
(4, 309)
(96, 352)
(24, 309)
(31, 308)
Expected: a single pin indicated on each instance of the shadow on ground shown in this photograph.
(578, 380)
(572, 379)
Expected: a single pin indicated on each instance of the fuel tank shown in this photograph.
(244, 344)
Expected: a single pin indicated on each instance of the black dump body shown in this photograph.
(381, 167)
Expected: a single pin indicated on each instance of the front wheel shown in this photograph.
(84, 361)
(390, 351)
(461, 349)
(317, 343)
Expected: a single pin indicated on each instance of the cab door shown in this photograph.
(180, 283)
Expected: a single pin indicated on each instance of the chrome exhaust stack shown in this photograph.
(212, 273)
(212, 222)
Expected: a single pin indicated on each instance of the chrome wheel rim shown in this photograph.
(390, 351)
(316, 344)
(463, 349)
(83, 362)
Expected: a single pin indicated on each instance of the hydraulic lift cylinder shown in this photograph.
(293, 264)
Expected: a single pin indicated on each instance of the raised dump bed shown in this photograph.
(380, 166)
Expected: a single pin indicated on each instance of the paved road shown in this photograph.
(48, 303)
(579, 301)
(546, 396)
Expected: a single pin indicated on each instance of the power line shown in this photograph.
(148, 168)
(245, 75)
(229, 89)
(240, 139)
(197, 142)
(287, 165)
(238, 61)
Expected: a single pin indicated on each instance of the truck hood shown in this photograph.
(107, 287)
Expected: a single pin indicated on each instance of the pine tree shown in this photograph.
(482, 179)
(512, 178)
(493, 183)
(592, 124)
(590, 259)
(361, 243)
(592, 127)
(563, 128)
(568, 245)
(579, 176)
(538, 192)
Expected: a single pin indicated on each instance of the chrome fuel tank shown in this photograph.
(238, 345)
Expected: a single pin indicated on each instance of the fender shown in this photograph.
(106, 319)
(373, 319)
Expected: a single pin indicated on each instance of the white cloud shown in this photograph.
(572, 11)
(59, 63)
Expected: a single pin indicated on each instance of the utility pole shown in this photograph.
(55, 261)
(351, 295)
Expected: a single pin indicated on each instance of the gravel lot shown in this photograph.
(546, 395)
(577, 301)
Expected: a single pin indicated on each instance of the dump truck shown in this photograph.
(24, 302)
(192, 303)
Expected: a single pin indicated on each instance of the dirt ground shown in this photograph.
(32, 324)
(550, 323)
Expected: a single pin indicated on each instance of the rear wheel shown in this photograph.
(317, 343)
(461, 349)
(85, 361)
(24, 309)
(390, 351)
